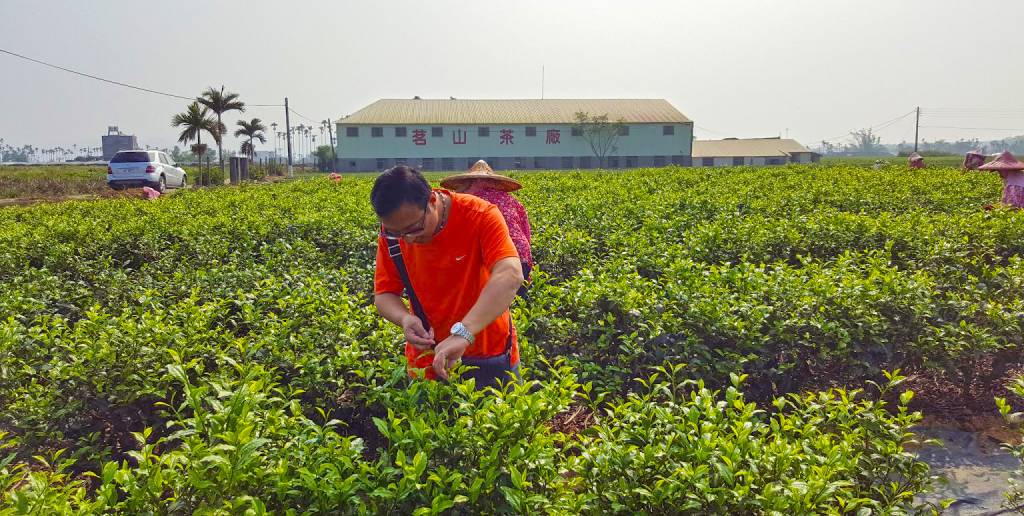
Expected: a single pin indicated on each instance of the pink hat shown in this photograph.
(973, 159)
(1005, 162)
(481, 170)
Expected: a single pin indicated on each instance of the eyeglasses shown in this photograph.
(418, 228)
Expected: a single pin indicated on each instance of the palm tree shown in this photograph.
(299, 139)
(220, 103)
(195, 120)
(253, 130)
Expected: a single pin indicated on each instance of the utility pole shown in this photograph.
(288, 134)
(917, 127)
(334, 156)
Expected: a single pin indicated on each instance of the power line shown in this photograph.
(304, 116)
(708, 130)
(974, 110)
(111, 81)
(974, 113)
(878, 127)
(95, 77)
(970, 128)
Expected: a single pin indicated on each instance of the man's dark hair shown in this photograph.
(397, 186)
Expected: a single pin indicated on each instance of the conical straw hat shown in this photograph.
(1005, 161)
(481, 170)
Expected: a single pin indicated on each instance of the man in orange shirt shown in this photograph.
(462, 266)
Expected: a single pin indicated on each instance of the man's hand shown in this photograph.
(419, 337)
(448, 353)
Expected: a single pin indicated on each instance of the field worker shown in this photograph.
(453, 256)
(482, 182)
(973, 159)
(149, 193)
(1012, 172)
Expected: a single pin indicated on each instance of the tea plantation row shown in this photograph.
(217, 351)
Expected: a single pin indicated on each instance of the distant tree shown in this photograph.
(195, 121)
(600, 133)
(198, 150)
(324, 155)
(220, 102)
(865, 142)
(181, 156)
(251, 130)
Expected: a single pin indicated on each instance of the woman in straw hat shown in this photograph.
(1013, 178)
(482, 182)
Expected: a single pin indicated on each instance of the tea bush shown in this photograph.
(695, 341)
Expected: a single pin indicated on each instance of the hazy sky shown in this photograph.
(737, 68)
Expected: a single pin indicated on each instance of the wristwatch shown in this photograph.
(461, 330)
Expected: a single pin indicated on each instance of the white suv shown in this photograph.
(154, 169)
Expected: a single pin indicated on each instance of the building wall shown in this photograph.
(113, 143)
(749, 161)
(803, 157)
(645, 145)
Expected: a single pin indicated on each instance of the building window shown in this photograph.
(668, 130)
(707, 162)
(380, 164)
(631, 161)
(518, 164)
(538, 163)
(737, 161)
(584, 161)
(483, 132)
(352, 165)
(659, 161)
(376, 132)
(576, 131)
(471, 161)
(774, 161)
(531, 131)
(624, 130)
(613, 162)
(399, 161)
(352, 132)
(436, 132)
(566, 162)
(428, 164)
(493, 162)
(447, 163)
(400, 132)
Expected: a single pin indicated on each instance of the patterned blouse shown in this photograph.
(515, 218)
(1013, 188)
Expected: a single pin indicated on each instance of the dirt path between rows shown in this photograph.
(134, 193)
(976, 468)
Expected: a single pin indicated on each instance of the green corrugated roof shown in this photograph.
(525, 111)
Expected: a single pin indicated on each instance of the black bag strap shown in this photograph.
(395, 251)
(511, 333)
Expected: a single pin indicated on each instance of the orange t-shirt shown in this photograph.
(449, 273)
